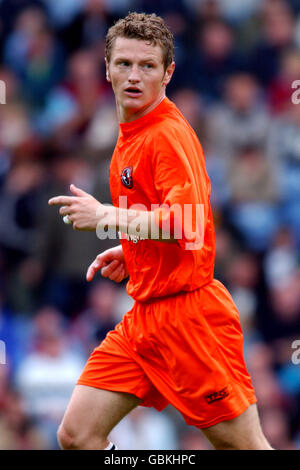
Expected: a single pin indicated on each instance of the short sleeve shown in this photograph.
(181, 194)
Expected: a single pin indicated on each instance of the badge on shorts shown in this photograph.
(126, 177)
(216, 396)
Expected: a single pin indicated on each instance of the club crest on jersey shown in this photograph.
(126, 177)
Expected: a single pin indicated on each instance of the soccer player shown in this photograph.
(181, 343)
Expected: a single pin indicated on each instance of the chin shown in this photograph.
(133, 102)
(134, 106)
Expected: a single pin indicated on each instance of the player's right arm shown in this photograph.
(112, 265)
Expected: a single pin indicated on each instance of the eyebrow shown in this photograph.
(126, 59)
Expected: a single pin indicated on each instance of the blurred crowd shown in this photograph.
(235, 65)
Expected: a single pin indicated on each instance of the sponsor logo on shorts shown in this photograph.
(216, 396)
(126, 177)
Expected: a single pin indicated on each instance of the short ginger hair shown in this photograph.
(145, 27)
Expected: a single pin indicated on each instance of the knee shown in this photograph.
(67, 440)
(72, 439)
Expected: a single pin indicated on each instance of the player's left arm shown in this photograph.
(85, 213)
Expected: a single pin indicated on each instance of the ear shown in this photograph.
(107, 70)
(168, 74)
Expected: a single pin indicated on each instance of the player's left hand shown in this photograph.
(82, 209)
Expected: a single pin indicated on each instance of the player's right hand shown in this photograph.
(112, 265)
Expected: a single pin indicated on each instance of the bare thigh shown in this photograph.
(241, 433)
(90, 416)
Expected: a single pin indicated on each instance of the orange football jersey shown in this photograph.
(158, 161)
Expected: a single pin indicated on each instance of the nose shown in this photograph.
(134, 75)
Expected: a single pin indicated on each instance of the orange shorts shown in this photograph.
(185, 350)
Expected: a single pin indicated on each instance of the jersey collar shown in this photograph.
(130, 128)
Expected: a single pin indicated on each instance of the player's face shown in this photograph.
(136, 72)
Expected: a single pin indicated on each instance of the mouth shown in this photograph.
(133, 91)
